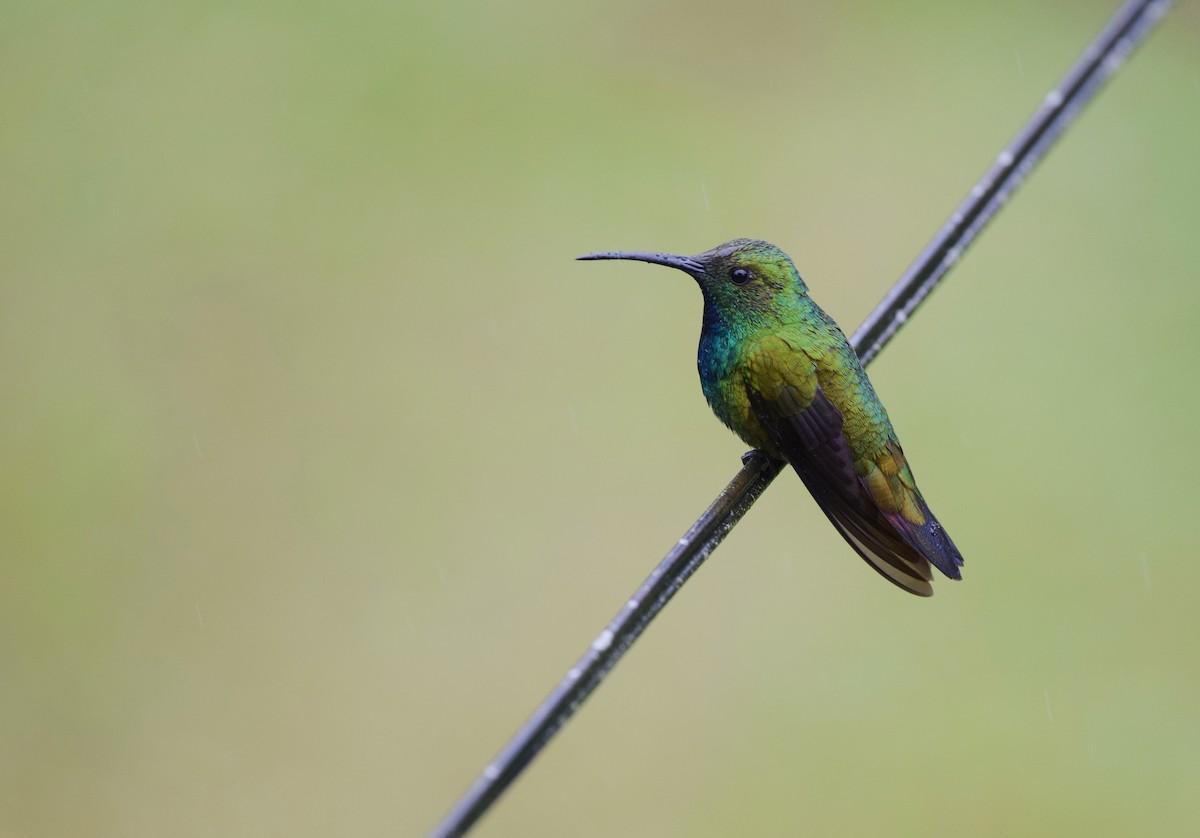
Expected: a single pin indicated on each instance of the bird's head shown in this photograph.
(740, 278)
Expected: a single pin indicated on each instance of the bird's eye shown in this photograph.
(739, 276)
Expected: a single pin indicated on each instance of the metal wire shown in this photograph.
(1103, 57)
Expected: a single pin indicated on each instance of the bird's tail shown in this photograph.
(929, 539)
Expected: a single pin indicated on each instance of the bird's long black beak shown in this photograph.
(689, 264)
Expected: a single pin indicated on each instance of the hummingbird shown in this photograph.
(779, 372)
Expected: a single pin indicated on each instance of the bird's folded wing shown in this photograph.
(808, 431)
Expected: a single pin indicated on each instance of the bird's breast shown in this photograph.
(723, 361)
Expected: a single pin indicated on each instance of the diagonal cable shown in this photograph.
(1103, 57)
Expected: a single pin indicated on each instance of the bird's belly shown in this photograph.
(731, 403)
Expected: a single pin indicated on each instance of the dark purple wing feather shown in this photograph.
(812, 441)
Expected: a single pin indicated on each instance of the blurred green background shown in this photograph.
(323, 460)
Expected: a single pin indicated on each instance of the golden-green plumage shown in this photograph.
(787, 367)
